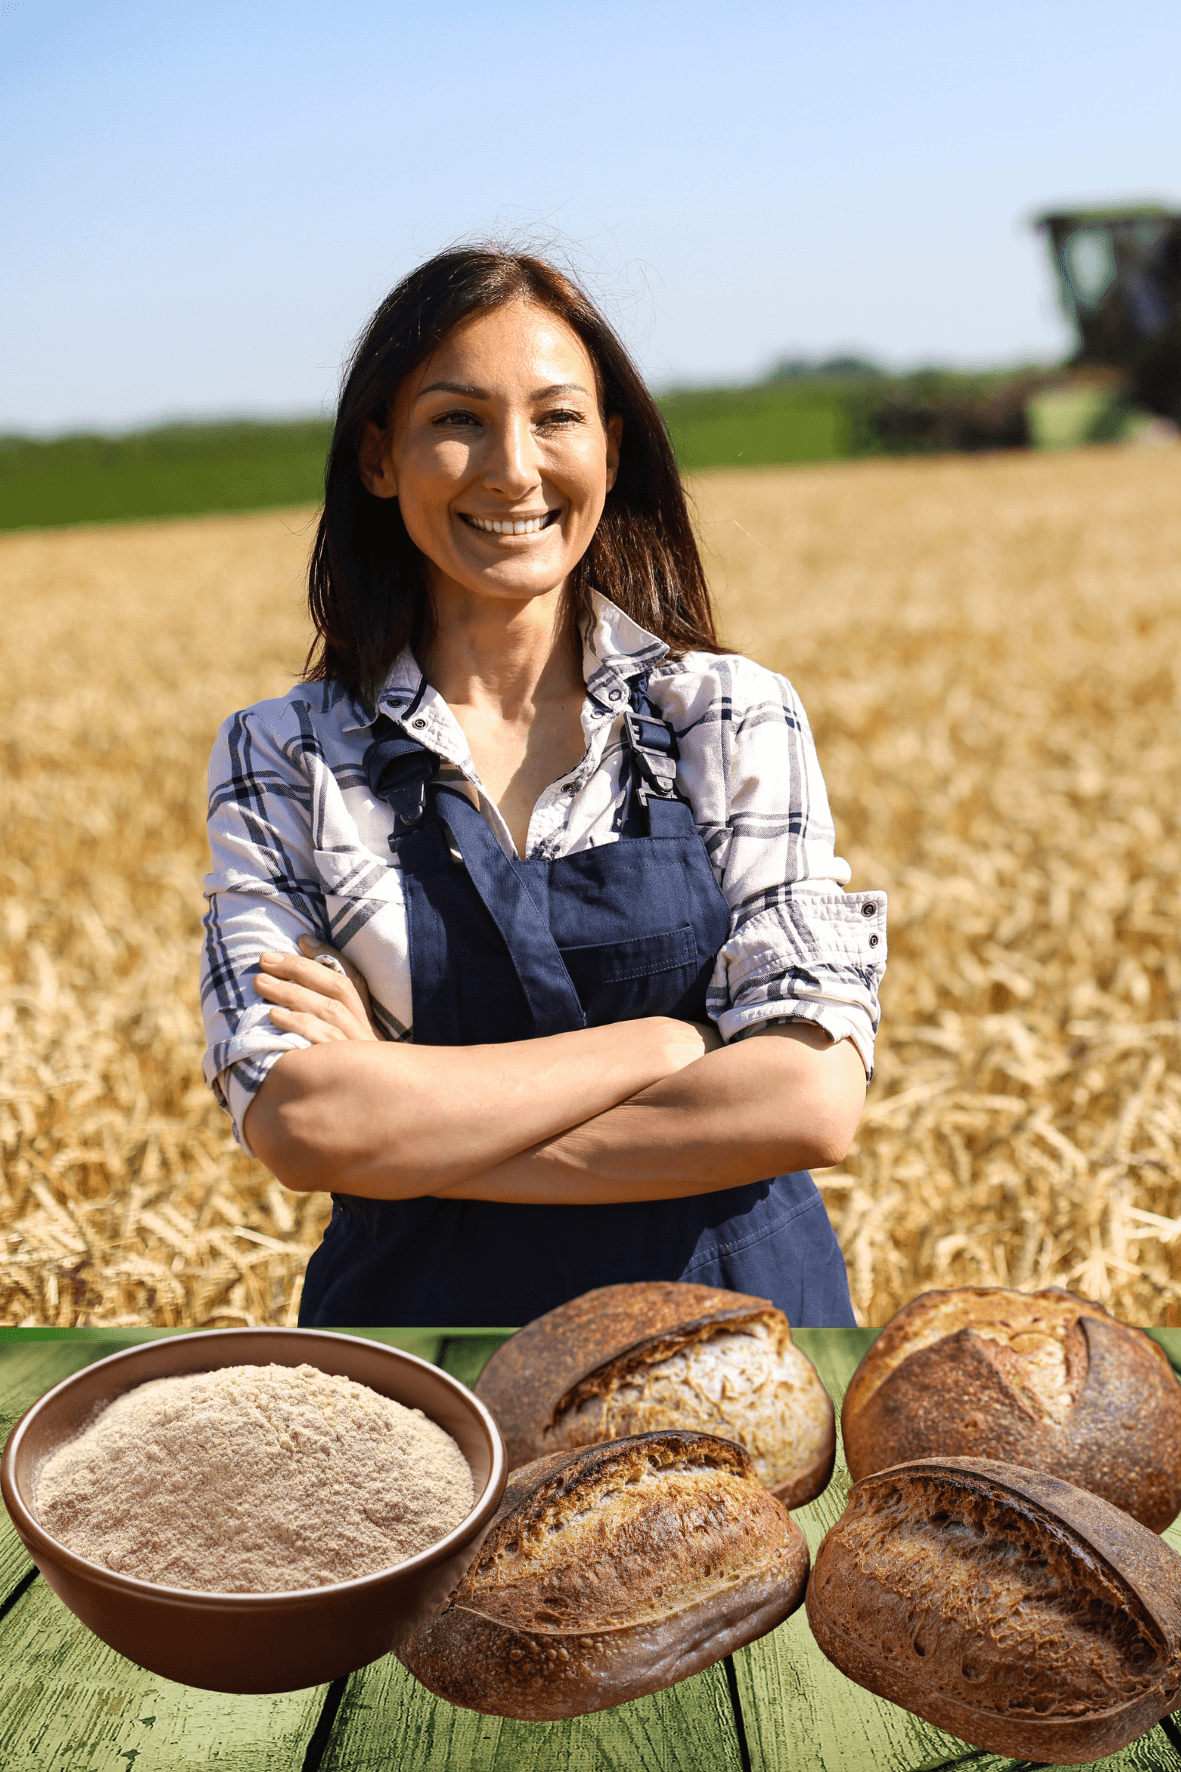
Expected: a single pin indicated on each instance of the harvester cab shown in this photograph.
(1119, 275)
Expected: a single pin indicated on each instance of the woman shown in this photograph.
(526, 938)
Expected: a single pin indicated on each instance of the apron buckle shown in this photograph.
(654, 752)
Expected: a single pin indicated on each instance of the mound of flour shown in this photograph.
(254, 1479)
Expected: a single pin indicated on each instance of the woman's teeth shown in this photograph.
(511, 525)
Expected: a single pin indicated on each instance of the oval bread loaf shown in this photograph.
(1025, 1615)
(611, 1572)
(1043, 1379)
(632, 1359)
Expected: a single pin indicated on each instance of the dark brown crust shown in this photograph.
(1135, 1561)
(1121, 1439)
(536, 1659)
(898, 1330)
(584, 1348)
(565, 1355)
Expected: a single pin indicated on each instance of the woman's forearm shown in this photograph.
(768, 1106)
(397, 1121)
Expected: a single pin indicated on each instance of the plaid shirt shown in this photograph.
(300, 845)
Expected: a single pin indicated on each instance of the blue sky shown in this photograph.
(201, 205)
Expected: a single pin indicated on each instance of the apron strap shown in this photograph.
(503, 886)
(399, 771)
(653, 755)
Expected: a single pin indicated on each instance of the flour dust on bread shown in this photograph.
(1025, 1615)
(1043, 1379)
(636, 1358)
(611, 1572)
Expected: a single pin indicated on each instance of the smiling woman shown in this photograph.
(501, 888)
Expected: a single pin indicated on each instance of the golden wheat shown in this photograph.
(988, 652)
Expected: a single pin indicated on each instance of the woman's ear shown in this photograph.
(614, 433)
(374, 464)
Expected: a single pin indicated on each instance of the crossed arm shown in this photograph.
(640, 1110)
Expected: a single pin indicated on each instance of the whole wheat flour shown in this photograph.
(254, 1479)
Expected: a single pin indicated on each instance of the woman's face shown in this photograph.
(498, 455)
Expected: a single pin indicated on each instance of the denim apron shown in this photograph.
(509, 949)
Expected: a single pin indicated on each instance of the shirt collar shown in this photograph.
(615, 649)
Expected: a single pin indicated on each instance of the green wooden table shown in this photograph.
(69, 1704)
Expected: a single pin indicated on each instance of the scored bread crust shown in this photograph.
(611, 1572)
(552, 1385)
(1113, 1426)
(1025, 1615)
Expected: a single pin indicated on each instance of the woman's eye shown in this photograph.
(562, 416)
(455, 420)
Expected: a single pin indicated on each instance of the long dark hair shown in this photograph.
(367, 592)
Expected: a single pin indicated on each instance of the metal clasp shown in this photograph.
(655, 752)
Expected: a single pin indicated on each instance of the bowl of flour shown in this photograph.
(254, 1510)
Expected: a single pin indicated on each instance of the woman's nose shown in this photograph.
(513, 463)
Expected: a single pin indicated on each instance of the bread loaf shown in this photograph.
(611, 1572)
(632, 1359)
(1042, 1379)
(1025, 1615)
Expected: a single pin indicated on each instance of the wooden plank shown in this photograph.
(387, 1719)
(465, 1356)
(797, 1709)
(836, 1354)
(1154, 1752)
(426, 1343)
(70, 1704)
(27, 1371)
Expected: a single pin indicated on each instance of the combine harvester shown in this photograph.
(1119, 275)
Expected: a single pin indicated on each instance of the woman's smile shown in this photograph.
(513, 525)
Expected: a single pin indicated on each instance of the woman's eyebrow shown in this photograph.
(473, 393)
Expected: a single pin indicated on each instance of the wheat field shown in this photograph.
(989, 652)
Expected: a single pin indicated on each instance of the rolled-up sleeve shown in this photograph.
(263, 892)
(800, 947)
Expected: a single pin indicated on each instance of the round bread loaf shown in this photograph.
(1025, 1615)
(611, 1572)
(633, 1359)
(1040, 1378)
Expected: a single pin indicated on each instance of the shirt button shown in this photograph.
(869, 910)
(873, 941)
(571, 787)
(615, 695)
(418, 723)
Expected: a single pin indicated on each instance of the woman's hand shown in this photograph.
(320, 995)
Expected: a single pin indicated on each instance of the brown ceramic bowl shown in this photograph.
(255, 1642)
